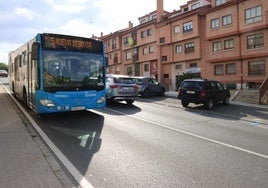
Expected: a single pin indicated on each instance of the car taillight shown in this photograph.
(114, 86)
(203, 93)
(136, 87)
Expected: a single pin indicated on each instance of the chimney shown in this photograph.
(130, 25)
(101, 34)
(160, 9)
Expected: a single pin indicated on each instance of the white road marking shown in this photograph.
(188, 133)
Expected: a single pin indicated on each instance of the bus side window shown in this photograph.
(35, 51)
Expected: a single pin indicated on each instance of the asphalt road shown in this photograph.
(157, 143)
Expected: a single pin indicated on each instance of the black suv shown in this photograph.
(199, 91)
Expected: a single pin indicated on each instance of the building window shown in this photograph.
(193, 65)
(178, 67)
(186, 9)
(229, 44)
(115, 58)
(166, 76)
(151, 49)
(142, 20)
(253, 14)
(135, 51)
(218, 70)
(231, 68)
(187, 27)
(146, 67)
(176, 29)
(256, 68)
(216, 46)
(114, 43)
(189, 48)
(154, 16)
(215, 23)
(255, 41)
(143, 34)
(128, 55)
(145, 51)
(130, 70)
(220, 2)
(117, 70)
(126, 41)
(195, 6)
(164, 58)
(149, 32)
(227, 20)
(178, 49)
(162, 40)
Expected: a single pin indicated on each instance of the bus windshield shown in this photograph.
(72, 71)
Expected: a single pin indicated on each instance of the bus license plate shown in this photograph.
(78, 108)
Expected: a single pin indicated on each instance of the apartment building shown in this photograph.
(237, 42)
(225, 40)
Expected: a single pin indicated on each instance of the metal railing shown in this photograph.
(263, 92)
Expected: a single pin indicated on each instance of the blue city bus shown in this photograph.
(57, 73)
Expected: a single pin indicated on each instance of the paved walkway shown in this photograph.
(24, 161)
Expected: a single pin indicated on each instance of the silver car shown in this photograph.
(120, 88)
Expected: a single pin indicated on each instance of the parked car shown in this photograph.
(3, 73)
(201, 91)
(121, 88)
(149, 86)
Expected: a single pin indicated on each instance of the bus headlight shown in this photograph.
(101, 100)
(47, 103)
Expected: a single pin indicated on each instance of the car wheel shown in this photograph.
(226, 100)
(209, 104)
(146, 93)
(162, 93)
(130, 101)
(184, 104)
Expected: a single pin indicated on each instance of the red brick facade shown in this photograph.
(226, 40)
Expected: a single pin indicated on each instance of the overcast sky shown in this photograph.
(21, 20)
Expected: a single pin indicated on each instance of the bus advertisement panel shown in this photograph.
(58, 73)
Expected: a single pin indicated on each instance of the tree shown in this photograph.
(3, 66)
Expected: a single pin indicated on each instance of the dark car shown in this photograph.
(201, 91)
(120, 88)
(149, 86)
(3, 73)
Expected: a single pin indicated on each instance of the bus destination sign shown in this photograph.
(52, 41)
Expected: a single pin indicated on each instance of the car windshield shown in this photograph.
(123, 80)
(72, 71)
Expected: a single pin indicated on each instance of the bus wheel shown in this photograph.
(24, 96)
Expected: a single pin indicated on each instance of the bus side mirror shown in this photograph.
(35, 50)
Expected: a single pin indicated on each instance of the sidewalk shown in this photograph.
(24, 161)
